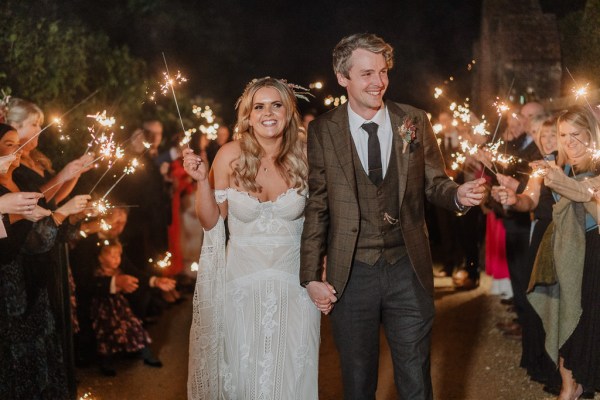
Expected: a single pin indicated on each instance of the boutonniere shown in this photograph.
(408, 132)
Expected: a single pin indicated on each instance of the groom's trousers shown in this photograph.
(390, 295)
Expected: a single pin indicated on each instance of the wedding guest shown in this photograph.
(116, 327)
(518, 224)
(566, 276)
(536, 198)
(32, 365)
(35, 171)
(256, 335)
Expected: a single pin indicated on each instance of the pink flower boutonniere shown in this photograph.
(408, 132)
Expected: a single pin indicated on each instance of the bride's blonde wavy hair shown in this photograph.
(290, 161)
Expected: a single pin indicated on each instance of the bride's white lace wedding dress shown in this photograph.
(255, 332)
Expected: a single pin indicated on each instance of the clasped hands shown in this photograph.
(322, 294)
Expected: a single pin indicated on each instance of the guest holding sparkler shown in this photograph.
(566, 282)
(116, 327)
(538, 198)
(518, 224)
(32, 363)
(255, 332)
(35, 171)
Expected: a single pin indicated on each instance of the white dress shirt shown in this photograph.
(361, 137)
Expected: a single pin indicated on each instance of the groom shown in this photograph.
(373, 164)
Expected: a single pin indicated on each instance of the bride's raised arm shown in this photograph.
(207, 208)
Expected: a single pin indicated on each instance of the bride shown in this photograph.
(255, 331)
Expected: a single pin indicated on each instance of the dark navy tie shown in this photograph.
(375, 169)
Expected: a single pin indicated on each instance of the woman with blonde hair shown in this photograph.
(255, 332)
(36, 172)
(567, 277)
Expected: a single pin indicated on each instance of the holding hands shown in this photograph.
(194, 165)
(322, 294)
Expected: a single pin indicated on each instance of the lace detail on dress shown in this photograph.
(269, 332)
(220, 196)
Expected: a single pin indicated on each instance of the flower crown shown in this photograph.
(300, 92)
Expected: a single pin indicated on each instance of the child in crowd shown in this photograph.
(116, 328)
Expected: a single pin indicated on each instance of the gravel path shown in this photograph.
(471, 360)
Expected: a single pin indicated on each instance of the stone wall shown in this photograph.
(517, 41)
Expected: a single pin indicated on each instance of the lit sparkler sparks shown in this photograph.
(437, 92)
(55, 121)
(129, 169)
(501, 107)
(164, 262)
(101, 206)
(102, 119)
(170, 84)
(105, 226)
(194, 267)
(581, 91)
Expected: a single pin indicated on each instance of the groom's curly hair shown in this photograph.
(367, 41)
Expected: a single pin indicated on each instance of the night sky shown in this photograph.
(221, 45)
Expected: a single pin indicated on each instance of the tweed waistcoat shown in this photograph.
(379, 234)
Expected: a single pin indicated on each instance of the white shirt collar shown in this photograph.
(356, 120)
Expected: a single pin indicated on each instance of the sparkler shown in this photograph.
(501, 108)
(102, 119)
(130, 169)
(56, 120)
(169, 83)
(72, 175)
(117, 155)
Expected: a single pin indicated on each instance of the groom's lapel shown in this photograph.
(339, 129)
(397, 115)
